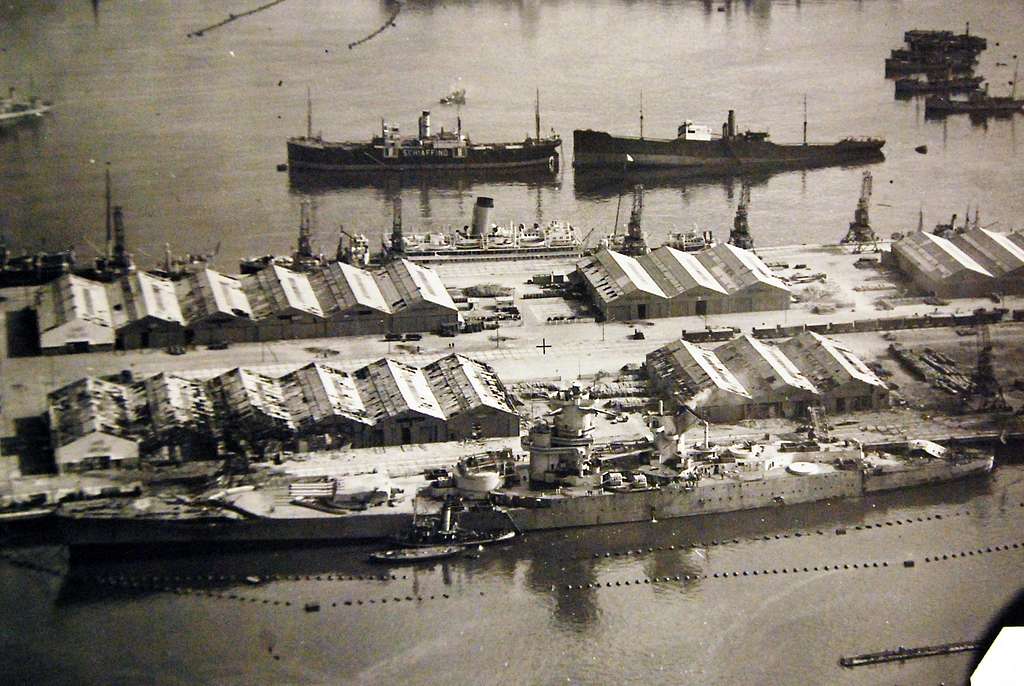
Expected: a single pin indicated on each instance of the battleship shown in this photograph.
(567, 482)
(450, 151)
(698, 151)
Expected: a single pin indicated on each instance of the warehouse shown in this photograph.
(216, 308)
(179, 418)
(844, 383)
(747, 378)
(1000, 254)
(168, 418)
(74, 316)
(251, 407)
(473, 398)
(941, 267)
(93, 426)
(671, 283)
(145, 311)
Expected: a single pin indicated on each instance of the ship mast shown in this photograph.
(805, 118)
(536, 114)
(309, 115)
(641, 114)
(110, 231)
(1013, 86)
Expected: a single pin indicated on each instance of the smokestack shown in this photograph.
(481, 215)
(425, 124)
(732, 124)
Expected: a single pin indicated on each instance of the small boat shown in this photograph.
(411, 555)
(13, 109)
(456, 97)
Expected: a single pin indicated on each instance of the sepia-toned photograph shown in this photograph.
(500, 342)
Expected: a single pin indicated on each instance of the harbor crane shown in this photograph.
(635, 242)
(740, 234)
(860, 232)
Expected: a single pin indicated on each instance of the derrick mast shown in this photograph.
(740, 234)
(397, 241)
(860, 231)
(635, 241)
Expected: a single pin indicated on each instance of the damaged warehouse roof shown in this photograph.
(313, 399)
(751, 374)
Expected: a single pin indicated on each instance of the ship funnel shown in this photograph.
(425, 124)
(732, 123)
(446, 518)
(482, 215)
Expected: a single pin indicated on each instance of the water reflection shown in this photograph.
(306, 182)
(603, 184)
(594, 186)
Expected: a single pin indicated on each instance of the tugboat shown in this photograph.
(445, 150)
(444, 530)
(303, 260)
(13, 110)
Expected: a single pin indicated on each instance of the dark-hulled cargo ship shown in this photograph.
(696, 150)
(450, 151)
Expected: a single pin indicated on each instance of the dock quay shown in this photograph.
(902, 653)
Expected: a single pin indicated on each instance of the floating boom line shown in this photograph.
(384, 26)
(232, 17)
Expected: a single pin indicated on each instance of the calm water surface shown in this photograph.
(194, 127)
(511, 618)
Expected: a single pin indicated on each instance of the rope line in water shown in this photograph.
(233, 17)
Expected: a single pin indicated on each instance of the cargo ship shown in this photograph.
(698, 151)
(33, 269)
(441, 151)
(568, 482)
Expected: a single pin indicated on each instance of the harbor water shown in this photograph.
(587, 606)
(194, 128)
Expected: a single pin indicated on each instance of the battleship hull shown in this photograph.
(86, 533)
(730, 496)
(312, 154)
(597, 150)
